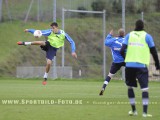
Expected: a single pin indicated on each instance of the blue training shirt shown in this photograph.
(115, 44)
(48, 32)
(149, 41)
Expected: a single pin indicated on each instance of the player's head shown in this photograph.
(139, 25)
(121, 32)
(54, 27)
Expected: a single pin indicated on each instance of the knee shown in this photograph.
(144, 89)
(42, 43)
(110, 75)
(49, 62)
(129, 87)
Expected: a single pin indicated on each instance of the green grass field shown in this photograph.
(28, 99)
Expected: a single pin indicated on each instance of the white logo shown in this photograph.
(118, 43)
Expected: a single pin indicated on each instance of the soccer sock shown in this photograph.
(106, 82)
(145, 99)
(27, 43)
(45, 75)
(131, 97)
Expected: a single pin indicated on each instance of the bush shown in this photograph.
(82, 14)
(98, 5)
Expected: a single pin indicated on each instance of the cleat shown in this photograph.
(44, 81)
(131, 113)
(101, 92)
(21, 43)
(146, 115)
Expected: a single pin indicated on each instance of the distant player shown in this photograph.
(115, 44)
(55, 40)
(139, 45)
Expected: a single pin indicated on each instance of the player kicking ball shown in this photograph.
(55, 40)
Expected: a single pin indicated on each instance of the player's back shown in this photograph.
(115, 46)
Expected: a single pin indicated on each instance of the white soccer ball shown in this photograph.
(37, 33)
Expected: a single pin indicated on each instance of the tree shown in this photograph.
(117, 6)
(157, 5)
(130, 6)
(98, 5)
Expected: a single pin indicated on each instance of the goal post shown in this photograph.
(103, 29)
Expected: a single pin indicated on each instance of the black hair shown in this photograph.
(54, 24)
(139, 25)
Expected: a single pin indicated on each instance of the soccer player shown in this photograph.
(115, 44)
(55, 40)
(139, 45)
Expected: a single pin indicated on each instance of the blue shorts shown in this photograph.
(115, 67)
(141, 74)
(50, 51)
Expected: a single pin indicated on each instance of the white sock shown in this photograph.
(27, 43)
(106, 82)
(132, 101)
(45, 75)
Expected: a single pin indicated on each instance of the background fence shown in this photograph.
(85, 29)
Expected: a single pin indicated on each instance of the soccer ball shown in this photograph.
(37, 33)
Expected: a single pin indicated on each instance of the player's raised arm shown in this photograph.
(109, 38)
(46, 32)
(29, 30)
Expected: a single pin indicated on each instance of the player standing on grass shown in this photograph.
(115, 44)
(56, 38)
(139, 45)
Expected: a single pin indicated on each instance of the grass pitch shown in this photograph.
(28, 99)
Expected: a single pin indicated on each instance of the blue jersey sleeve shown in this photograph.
(72, 43)
(109, 40)
(44, 32)
(149, 40)
(31, 30)
(126, 39)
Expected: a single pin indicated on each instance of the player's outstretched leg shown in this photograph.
(31, 43)
(21, 43)
(104, 85)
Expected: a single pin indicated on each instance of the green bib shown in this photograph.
(57, 40)
(138, 50)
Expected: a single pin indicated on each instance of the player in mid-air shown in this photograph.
(115, 44)
(55, 40)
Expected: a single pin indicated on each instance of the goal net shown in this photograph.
(87, 29)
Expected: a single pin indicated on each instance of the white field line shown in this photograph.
(110, 96)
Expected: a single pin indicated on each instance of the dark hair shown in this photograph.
(139, 25)
(54, 24)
